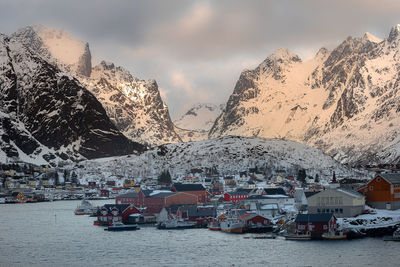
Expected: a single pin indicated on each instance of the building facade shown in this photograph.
(341, 202)
(383, 191)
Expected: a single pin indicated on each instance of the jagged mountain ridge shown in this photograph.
(345, 102)
(200, 117)
(229, 155)
(42, 107)
(135, 106)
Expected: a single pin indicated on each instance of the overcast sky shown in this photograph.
(197, 49)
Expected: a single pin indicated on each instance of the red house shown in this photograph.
(111, 213)
(315, 223)
(235, 197)
(193, 189)
(155, 201)
(254, 222)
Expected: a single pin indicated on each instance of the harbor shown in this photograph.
(53, 229)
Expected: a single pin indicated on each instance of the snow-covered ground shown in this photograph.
(382, 218)
(229, 155)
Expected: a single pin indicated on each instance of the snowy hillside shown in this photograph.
(200, 117)
(344, 102)
(229, 155)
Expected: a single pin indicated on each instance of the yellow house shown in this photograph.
(32, 182)
(129, 183)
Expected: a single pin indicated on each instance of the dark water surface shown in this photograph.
(49, 234)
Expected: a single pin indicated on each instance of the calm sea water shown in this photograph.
(49, 234)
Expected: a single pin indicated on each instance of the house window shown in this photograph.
(397, 195)
(336, 210)
(341, 210)
(325, 227)
(318, 210)
(302, 227)
(371, 188)
(378, 179)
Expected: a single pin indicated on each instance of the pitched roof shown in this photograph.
(130, 195)
(310, 193)
(162, 194)
(393, 178)
(188, 187)
(274, 191)
(317, 217)
(120, 207)
(350, 192)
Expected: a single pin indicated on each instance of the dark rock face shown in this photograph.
(135, 106)
(54, 108)
(84, 67)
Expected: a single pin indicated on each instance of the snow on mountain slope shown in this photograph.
(58, 47)
(135, 106)
(42, 107)
(228, 154)
(200, 117)
(344, 102)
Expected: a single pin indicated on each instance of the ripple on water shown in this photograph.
(49, 234)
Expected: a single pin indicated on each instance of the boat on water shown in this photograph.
(85, 208)
(394, 237)
(232, 225)
(122, 227)
(334, 235)
(298, 236)
(214, 226)
(177, 224)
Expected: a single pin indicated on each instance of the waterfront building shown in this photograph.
(342, 202)
(383, 191)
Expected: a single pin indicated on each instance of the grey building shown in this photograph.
(340, 201)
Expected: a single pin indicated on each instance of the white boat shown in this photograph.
(232, 225)
(298, 236)
(176, 224)
(85, 208)
(122, 227)
(394, 237)
(334, 235)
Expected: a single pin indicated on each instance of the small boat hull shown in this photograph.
(298, 237)
(122, 228)
(334, 236)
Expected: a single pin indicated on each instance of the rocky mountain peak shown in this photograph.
(394, 33)
(371, 38)
(58, 47)
(284, 55)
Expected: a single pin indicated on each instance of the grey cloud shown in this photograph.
(208, 42)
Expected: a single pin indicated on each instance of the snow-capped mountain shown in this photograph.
(134, 105)
(58, 47)
(345, 102)
(229, 155)
(200, 117)
(46, 114)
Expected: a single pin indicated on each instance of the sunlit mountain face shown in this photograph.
(344, 102)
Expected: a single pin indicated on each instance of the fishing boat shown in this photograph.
(122, 227)
(334, 235)
(232, 225)
(214, 226)
(394, 237)
(298, 236)
(175, 224)
(85, 208)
